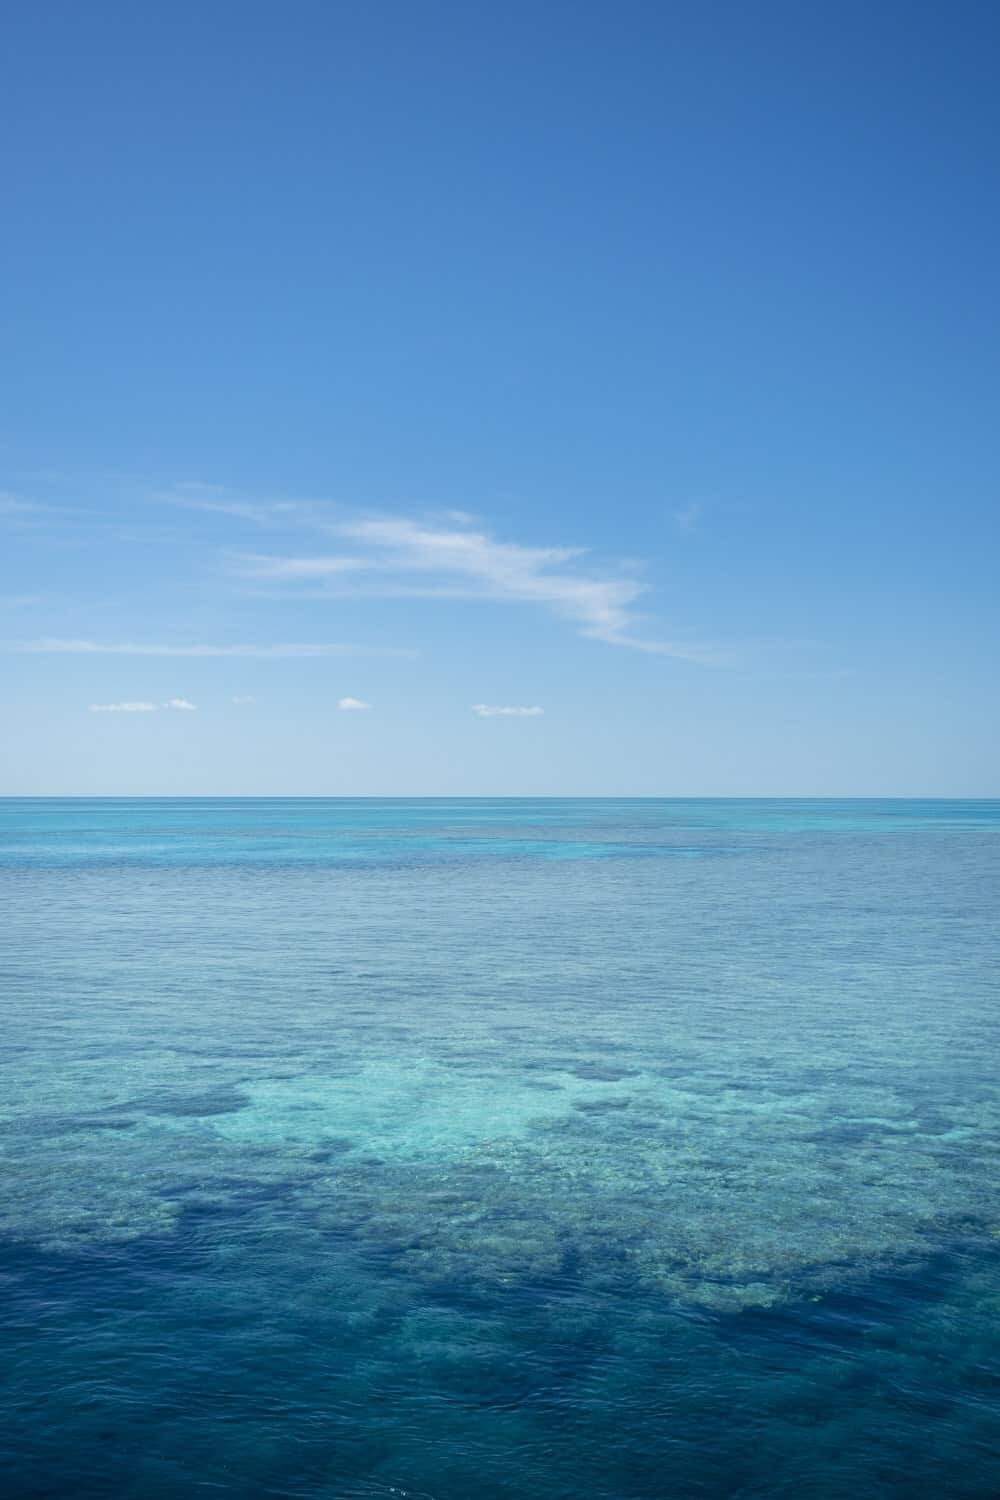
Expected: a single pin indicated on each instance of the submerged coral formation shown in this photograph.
(722, 1187)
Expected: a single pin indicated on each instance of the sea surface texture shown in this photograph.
(500, 1150)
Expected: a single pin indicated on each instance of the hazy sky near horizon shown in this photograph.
(465, 399)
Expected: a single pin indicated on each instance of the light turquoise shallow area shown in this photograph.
(515, 1148)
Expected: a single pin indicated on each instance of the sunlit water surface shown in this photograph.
(460, 1150)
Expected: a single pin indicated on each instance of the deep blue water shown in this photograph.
(500, 1150)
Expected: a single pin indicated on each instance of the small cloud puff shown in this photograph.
(243, 698)
(494, 711)
(352, 703)
(141, 706)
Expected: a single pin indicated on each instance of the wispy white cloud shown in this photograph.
(133, 648)
(37, 513)
(124, 708)
(495, 711)
(254, 565)
(243, 698)
(459, 562)
(352, 703)
(31, 515)
(448, 555)
(141, 706)
(11, 505)
(219, 500)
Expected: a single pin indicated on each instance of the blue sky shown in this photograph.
(633, 363)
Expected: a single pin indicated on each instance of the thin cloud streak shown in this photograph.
(124, 708)
(494, 711)
(217, 500)
(10, 505)
(142, 706)
(293, 649)
(601, 607)
(254, 565)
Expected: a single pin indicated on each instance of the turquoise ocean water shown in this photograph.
(500, 1150)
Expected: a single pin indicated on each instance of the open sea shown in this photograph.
(500, 1150)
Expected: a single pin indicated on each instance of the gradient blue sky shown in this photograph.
(634, 362)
